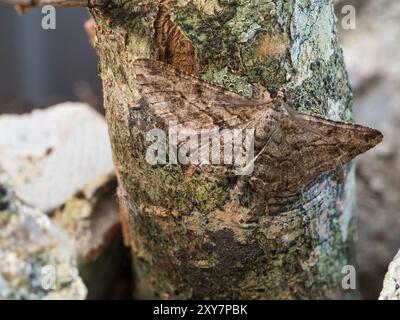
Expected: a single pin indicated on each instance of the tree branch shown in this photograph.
(26, 5)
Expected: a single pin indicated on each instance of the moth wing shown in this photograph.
(304, 146)
(176, 96)
(295, 148)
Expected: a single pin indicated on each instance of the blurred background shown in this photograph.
(59, 161)
(41, 68)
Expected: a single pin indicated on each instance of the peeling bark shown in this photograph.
(196, 237)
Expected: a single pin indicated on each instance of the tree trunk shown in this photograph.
(194, 237)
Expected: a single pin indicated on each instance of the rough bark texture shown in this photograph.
(196, 237)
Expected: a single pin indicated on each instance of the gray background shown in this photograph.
(42, 67)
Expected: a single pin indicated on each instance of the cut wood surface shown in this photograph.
(61, 160)
(51, 154)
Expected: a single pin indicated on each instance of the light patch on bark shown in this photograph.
(348, 204)
(226, 79)
(335, 110)
(312, 32)
(273, 45)
(209, 7)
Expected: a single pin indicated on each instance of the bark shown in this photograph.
(195, 237)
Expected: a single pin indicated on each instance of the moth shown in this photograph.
(290, 148)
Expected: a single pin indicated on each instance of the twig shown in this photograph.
(26, 5)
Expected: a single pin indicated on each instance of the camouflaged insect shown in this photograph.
(291, 149)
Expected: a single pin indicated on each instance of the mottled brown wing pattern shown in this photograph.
(304, 146)
(291, 148)
(176, 96)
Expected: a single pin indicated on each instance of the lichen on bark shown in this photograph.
(197, 237)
